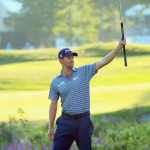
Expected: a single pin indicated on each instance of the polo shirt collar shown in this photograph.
(73, 70)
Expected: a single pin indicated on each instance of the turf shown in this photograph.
(37, 75)
(25, 80)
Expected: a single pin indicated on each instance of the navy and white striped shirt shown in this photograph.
(74, 90)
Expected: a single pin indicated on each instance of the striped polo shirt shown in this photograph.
(74, 90)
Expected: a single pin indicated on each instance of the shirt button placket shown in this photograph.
(69, 82)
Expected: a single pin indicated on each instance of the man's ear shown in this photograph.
(61, 60)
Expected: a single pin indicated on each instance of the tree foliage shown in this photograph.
(36, 21)
(76, 21)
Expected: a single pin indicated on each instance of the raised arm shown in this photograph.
(108, 58)
(52, 115)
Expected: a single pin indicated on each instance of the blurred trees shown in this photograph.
(76, 21)
(110, 17)
(42, 21)
(36, 21)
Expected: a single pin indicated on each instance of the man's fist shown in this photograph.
(122, 42)
(51, 134)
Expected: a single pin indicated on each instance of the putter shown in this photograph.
(122, 31)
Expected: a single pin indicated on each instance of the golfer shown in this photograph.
(72, 85)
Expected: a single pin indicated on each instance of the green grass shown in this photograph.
(26, 85)
(25, 78)
(92, 50)
(109, 99)
(37, 75)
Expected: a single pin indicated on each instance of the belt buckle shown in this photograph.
(76, 116)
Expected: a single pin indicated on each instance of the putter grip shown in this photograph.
(124, 50)
(125, 58)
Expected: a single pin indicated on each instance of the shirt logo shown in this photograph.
(75, 78)
(61, 83)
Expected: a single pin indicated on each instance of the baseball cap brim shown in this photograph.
(75, 54)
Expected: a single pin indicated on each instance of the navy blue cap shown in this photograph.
(66, 52)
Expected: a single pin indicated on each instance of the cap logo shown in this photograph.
(61, 55)
(67, 50)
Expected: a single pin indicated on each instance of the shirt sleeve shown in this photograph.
(53, 93)
(89, 70)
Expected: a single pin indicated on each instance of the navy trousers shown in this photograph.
(70, 128)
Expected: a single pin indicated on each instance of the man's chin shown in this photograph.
(70, 66)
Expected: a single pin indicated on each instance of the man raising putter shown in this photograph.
(72, 85)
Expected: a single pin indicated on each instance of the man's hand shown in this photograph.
(52, 114)
(51, 134)
(121, 43)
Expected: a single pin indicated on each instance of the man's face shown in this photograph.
(68, 62)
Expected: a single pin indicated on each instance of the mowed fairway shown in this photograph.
(26, 85)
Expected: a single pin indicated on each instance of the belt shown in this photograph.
(76, 116)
